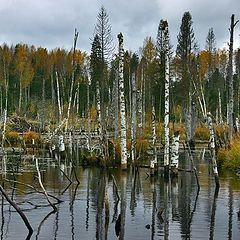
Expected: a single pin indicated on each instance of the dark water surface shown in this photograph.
(90, 210)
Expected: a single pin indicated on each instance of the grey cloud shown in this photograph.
(51, 23)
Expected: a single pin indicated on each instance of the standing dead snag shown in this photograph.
(164, 26)
(212, 146)
(73, 76)
(122, 105)
(230, 80)
(134, 118)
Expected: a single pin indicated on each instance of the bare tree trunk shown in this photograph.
(167, 82)
(88, 117)
(73, 77)
(4, 128)
(43, 104)
(59, 99)
(212, 146)
(230, 80)
(220, 107)
(116, 105)
(174, 152)
(78, 102)
(143, 101)
(20, 95)
(52, 89)
(153, 163)
(139, 111)
(1, 101)
(122, 105)
(134, 116)
(98, 100)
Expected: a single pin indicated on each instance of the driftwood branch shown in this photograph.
(33, 188)
(19, 211)
(44, 190)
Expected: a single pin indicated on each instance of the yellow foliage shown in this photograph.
(204, 59)
(93, 112)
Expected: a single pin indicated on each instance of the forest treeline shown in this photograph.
(36, 82)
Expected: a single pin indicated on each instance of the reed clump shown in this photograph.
(230, 158)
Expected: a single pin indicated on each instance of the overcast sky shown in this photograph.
(51, 23)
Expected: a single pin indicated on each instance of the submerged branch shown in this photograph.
(44, 190)
(19, 211)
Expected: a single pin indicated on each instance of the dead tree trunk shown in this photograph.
(153, 163)
(73, 77)
(212, 146)
(59, 99)
(134, 118)
(230, 80)
(122, 105)
(164, 27)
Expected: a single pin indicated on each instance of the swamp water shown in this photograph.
(90, 209)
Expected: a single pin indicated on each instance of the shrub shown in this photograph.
(12, 137)
(230, 158)
(28, 136)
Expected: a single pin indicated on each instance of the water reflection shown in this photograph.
(100, 204)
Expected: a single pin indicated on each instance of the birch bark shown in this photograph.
(73, 77)
(122, 105)
(212, 146)
(166, 95)
(134, 115)
(58, 98)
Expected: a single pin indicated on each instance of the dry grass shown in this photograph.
(29, 136)
(12, 137)
(230, 158)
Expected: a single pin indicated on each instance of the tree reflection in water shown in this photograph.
(139, 207)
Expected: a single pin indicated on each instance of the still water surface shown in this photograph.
(90, 210)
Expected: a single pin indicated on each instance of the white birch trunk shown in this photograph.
(143, 101)
(166, 105)
(88, 117)
(20, 95)
(58, 98)
(134, 116)
(77, 104)
(154, 137)
(174, 152)
(237, 125)
(116, 106)
(73, 77)
(98, 109)
(220, 107)
(4, 128)
(122, 105)
(139, 111)
(61, 143)
(212, 146)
